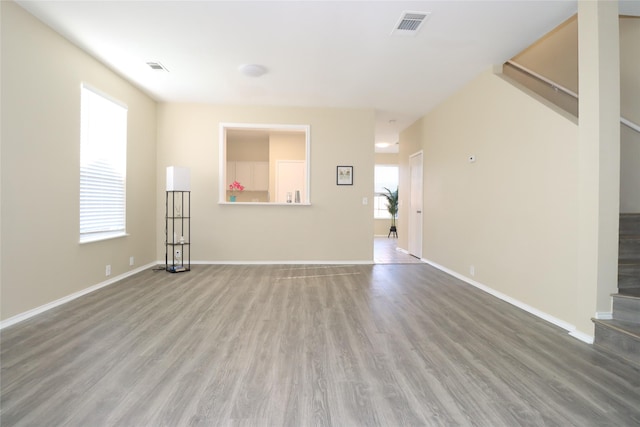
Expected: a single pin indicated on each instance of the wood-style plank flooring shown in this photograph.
(385, 252)
(283, 345)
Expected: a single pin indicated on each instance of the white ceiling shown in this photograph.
(317, 53)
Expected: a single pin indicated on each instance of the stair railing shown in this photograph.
(629, 124)
(563, 89)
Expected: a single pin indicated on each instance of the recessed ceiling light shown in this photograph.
(382, 144)
(253, 70)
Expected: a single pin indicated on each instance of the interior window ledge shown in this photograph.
(102, 236)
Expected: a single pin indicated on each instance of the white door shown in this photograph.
(415, 205)
(290, 177)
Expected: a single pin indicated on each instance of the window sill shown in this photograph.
(98, 237)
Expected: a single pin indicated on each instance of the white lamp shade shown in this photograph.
(178, 179)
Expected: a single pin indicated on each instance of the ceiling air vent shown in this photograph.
(410, 23)
(157, 66)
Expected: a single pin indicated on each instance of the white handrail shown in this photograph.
(630, 124)
(544, 79)
(569, 92)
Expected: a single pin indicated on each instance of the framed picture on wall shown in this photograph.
(344, 175)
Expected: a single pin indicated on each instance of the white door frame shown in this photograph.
(416, 174)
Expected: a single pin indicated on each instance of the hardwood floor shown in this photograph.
(365, 345)
(385, 252)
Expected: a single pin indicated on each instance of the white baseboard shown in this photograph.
(266, 262)
(604, 315)
(544, 316)
(582, 336)
(35, 311)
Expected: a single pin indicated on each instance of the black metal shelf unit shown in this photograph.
(177, 231)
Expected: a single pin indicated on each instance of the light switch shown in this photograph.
(365, 201)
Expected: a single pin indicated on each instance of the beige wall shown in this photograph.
(511, 214)
(387, 158)
(630, 108)
(336, 227)
(629, 170)
(248, 151)
(630, 68)
(42, 260)
(555, 56)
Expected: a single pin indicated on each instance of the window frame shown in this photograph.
(382, 213)
(268, 127)
(89, 234)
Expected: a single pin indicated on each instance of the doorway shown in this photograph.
(415, 204)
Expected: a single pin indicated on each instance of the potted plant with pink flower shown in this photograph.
(234, 186)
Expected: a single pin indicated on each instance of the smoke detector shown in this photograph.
(410, 23)
(252, 70)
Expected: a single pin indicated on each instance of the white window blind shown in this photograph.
(103, 167)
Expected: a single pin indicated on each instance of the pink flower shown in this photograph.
(235, 185)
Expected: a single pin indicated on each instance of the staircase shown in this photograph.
(621, 334)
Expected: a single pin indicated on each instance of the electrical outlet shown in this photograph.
(178, 253)
(107, 270)
(472, 270)
(131, 262)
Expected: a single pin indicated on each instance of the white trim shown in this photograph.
(35, 311)
(604, 315)
(543, 78)
(569, 92)
(544, 316)
(99, 237)
(222, 152)
(586, 338)
(89, 86)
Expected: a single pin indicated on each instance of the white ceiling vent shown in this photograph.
(157, 66)
(410, 23)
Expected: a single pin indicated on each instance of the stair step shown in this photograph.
(629, 224)
(629, 293)
(628, 276)
(618, 338)
(629, 248)
(626, 307)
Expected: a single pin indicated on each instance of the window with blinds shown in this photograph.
(103, 167)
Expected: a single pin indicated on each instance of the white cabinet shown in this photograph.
(244, 175)
(253, 175)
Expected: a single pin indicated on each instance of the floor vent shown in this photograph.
(410, 23)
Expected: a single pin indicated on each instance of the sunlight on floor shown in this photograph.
(385, 252)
